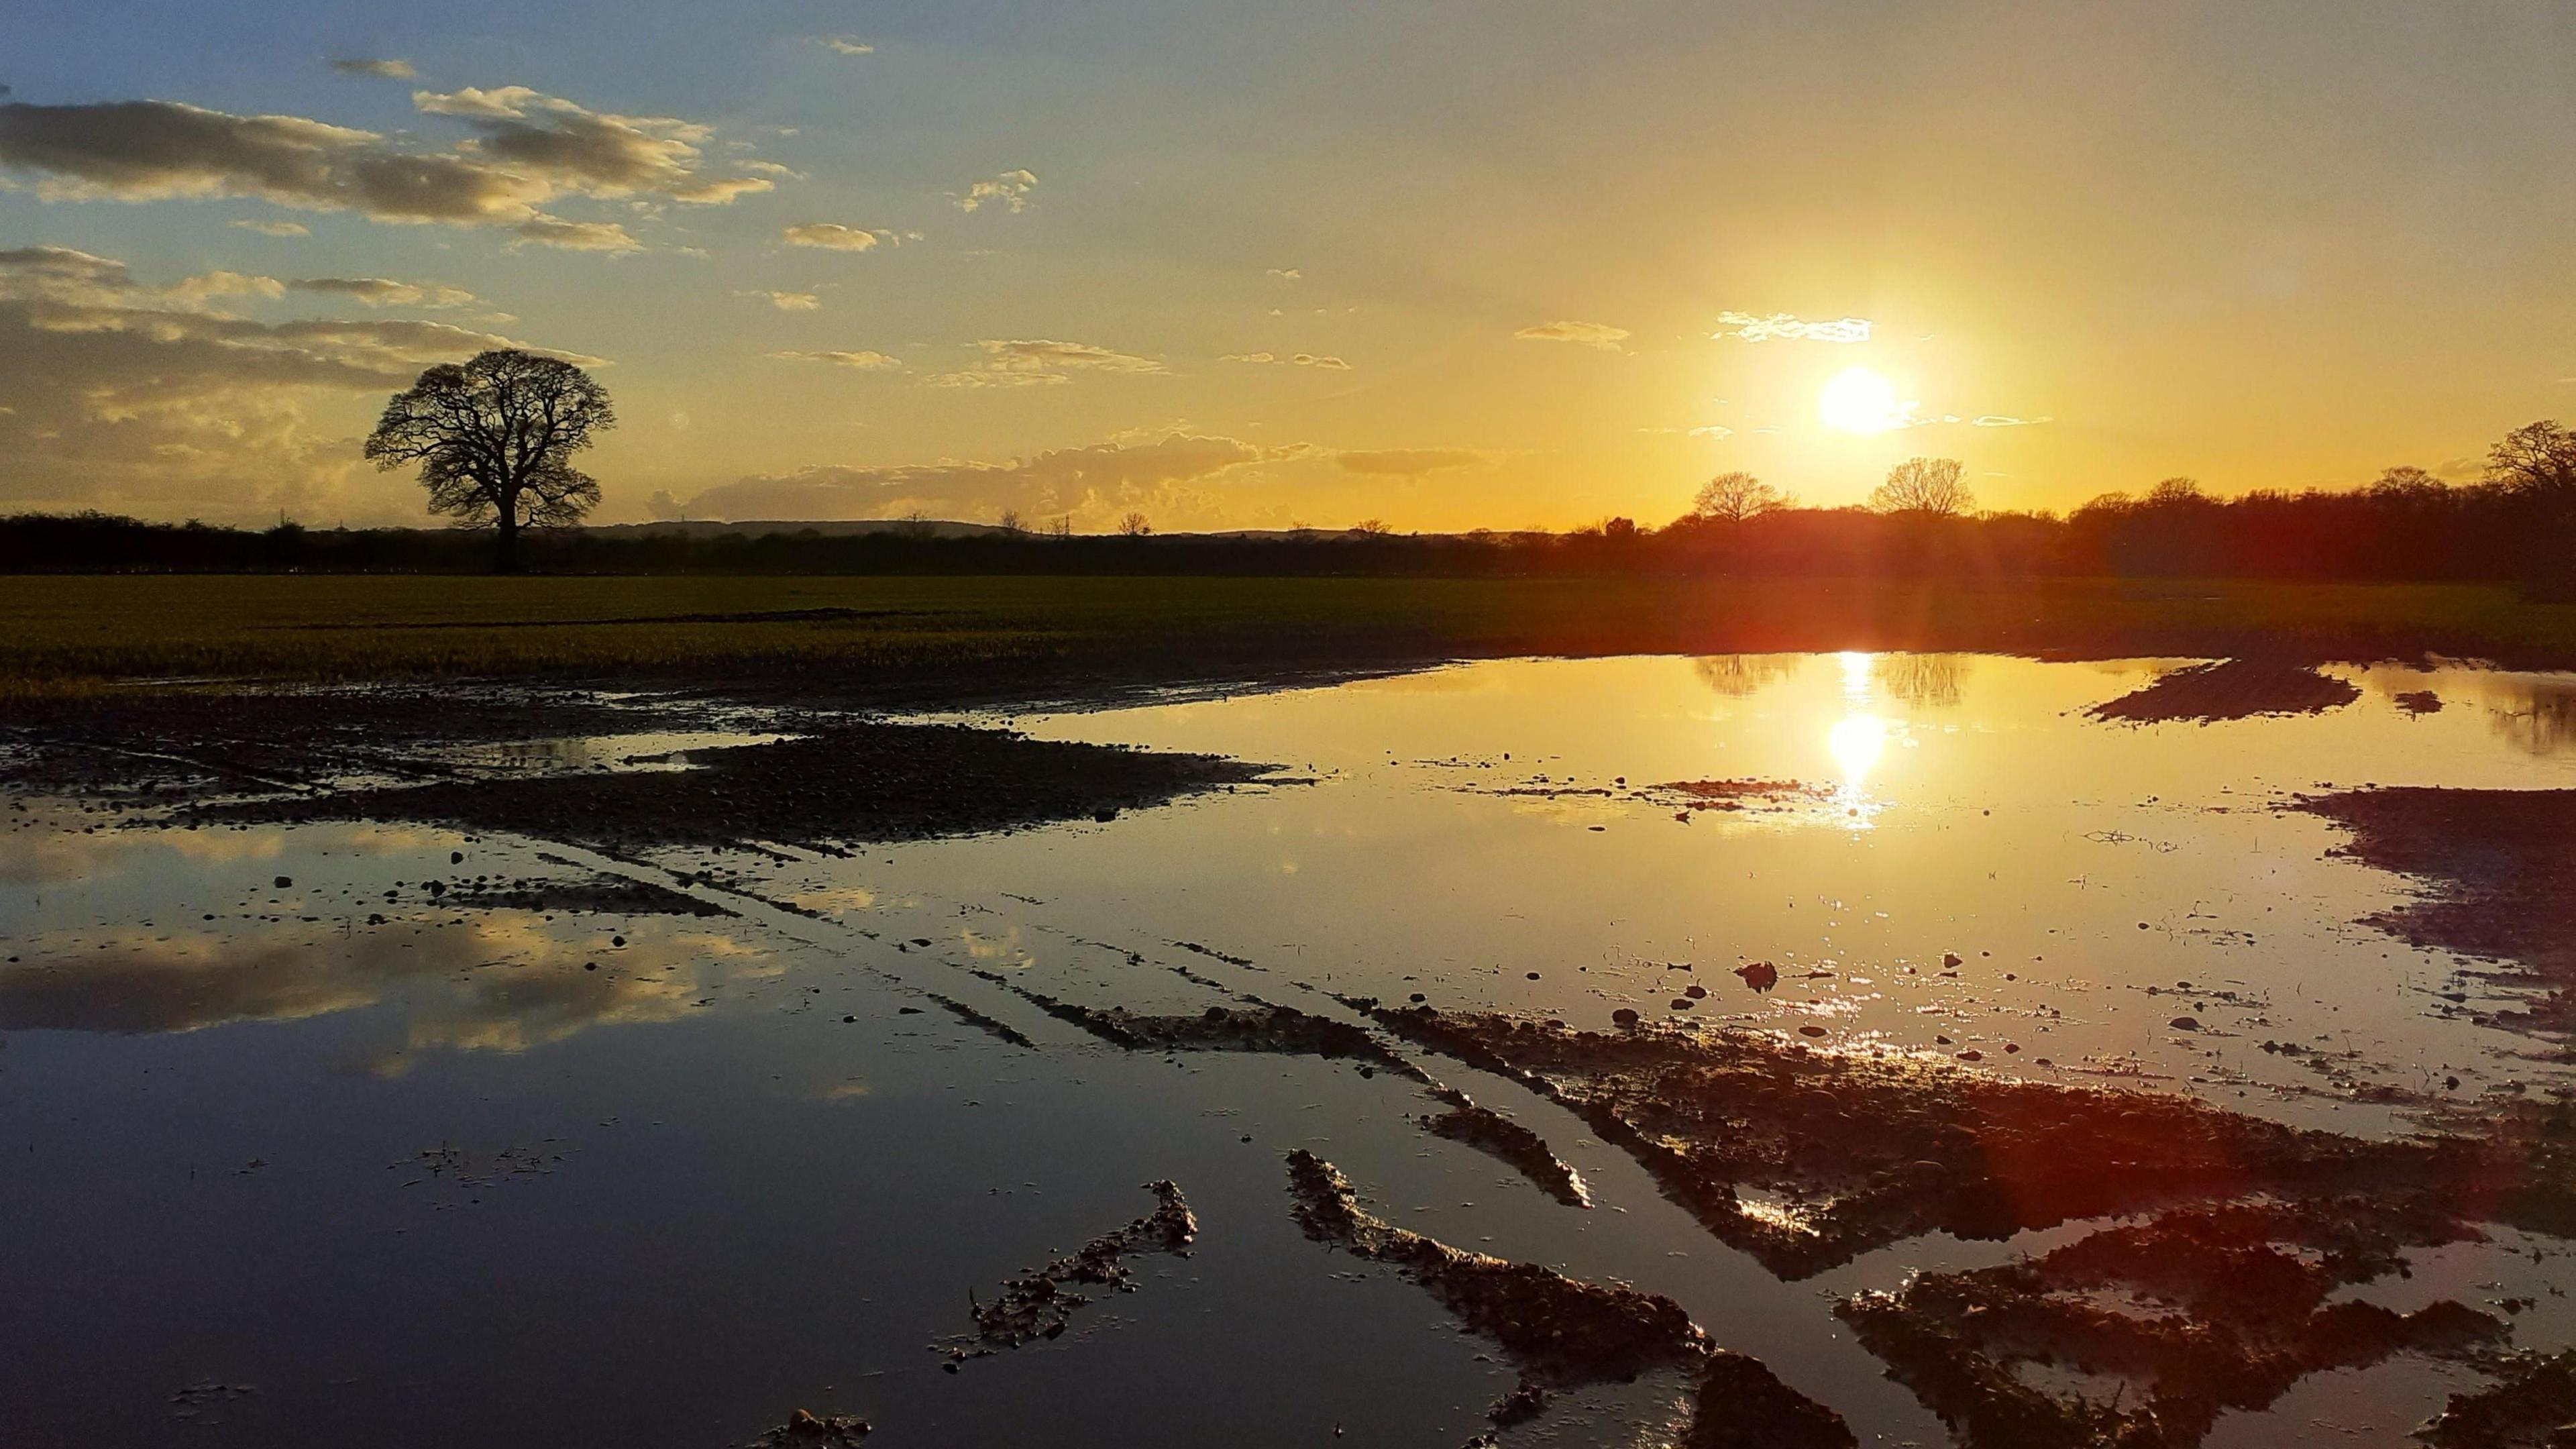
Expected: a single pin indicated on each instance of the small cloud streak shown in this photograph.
(1997, 420)
(1285, 274)
(276, 228)
(845, 45)
(1780, 326)
(1582, 334)
(1040, 362)
(831, 236)
(1299, 359)
(385, 292)
(864, 361)
(1010, 191)
(388, 68)
(790, 301)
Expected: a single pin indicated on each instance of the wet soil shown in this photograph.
(2500, 872)
(1806, 1158)
(2230, 689)
(2531, 1405)
(808, 1431)
(2167, 1323)
(847, 783)
(1040, 1304)
(1257, 1028)
(1562, 1333)
(1508, 1142)
(595, 895)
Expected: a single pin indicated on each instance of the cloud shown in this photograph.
(1285, 274)
(153, 399)
(1996, 420)
(527, 149)
(789, 301)
(1097, 482)
(1039, 362)
(1010, 191)
(577, 236)
(866, 361)
(771, 168)
(389, 69)
(845, 45)
(1583, 334)
(276, 228)
(723, 191)
(1712, 430)
(1408, 462)
(1780, 326)
(1301, 359)
(832, 236)
(385, 292)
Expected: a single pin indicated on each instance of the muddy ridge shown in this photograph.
(1508, 1142)
(2500, 867)
(2230, 689)
(1806, 1159)
(847, 783)
(2164, 1324)
(1562, 1333)
(2533, 1396)
(606, 895)
(809, 1431)
(1263, 1028)
(1040, 1304)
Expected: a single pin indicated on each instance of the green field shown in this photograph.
(74, 634)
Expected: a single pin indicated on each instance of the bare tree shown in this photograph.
(1135, 526)
(1011, 522)
(2407, 482)
(1062, 527)
(1735, 497)
(1928, 487)
(1374, 527)
(2175, 493)
(2537, 458)
(494, 437)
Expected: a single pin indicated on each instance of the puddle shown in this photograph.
(661, 1139)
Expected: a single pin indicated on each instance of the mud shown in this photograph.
(606, 895)
(1040, 1304)
(847, 783)
(2500, 873)
(2230, 689)
(1258, 1028)
(809, 1431)
(2532, 1404)
(1561, 1333)
(1806, 1158)
(2166, 1324)
(1508, 1142)
(997, 1029)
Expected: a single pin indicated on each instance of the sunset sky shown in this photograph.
(1449, 263)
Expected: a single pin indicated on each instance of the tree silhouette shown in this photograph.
(1929, 487)
(1135, 526)
(1735, 497)
(493, 437)
(2536, 458)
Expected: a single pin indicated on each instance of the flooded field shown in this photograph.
(1764, 1049)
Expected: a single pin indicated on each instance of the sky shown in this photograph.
(1446, 264)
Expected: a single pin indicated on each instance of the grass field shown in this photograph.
(73, 634)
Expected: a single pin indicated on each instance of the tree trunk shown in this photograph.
(507, 560)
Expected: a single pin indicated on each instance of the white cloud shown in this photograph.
(790, 301)
(385, 292)
(1300, 359)
(276, 228)
(1995, 420)
(1583, 334)
(1286, 274)
(865, 361)
(1010, 191)
(577, 236)
(1780, 326)
(1040, 362)
(832, 236)
(845, 45)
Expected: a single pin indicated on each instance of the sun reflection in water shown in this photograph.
(1859, 738)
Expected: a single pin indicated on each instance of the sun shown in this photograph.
(1861, 402)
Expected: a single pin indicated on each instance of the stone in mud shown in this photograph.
(805, 1430)
(2418, 701)
(1761, 975)
(1040, 1304)
(1562, 1333)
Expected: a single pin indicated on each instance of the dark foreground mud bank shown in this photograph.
(1563, 1334)
(2230, 689)
(1039, 1304)
(2499, 867)
(2217, 1282)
